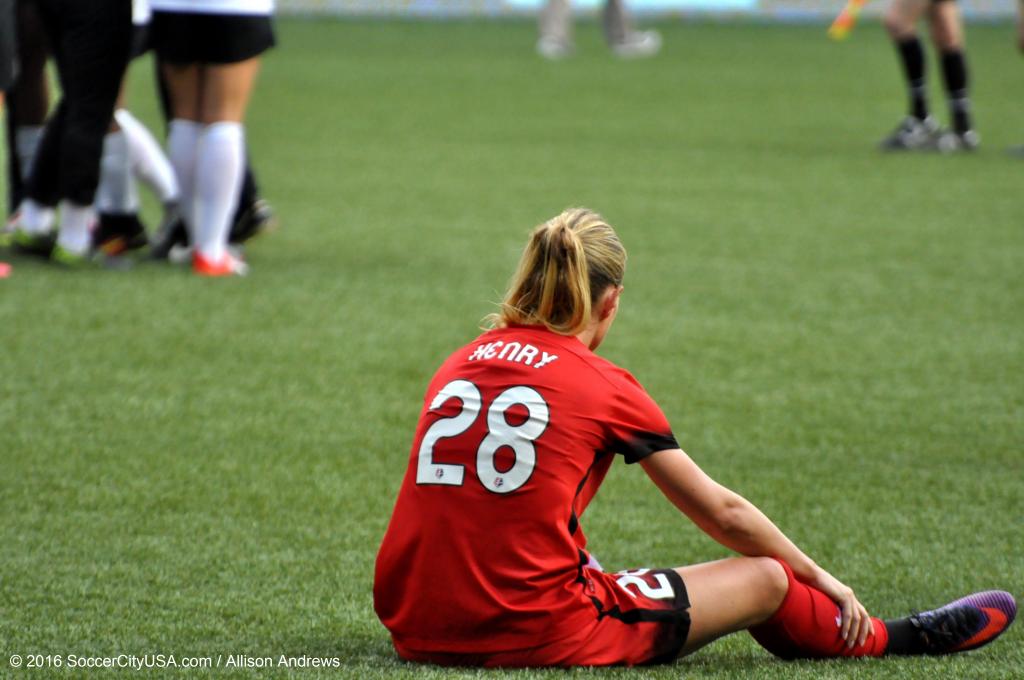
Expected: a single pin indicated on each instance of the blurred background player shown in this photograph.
(1020, 25)
(253, 214)
(28, 100)
(210, 55)
(130, 153)
(90, 43)
(1019, 149)
(919, 130)
(7, 65)
(556, 39)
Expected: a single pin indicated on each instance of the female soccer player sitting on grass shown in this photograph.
(485, 563)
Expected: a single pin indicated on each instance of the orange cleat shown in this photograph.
(228, 265)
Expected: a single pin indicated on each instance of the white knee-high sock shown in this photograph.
(147, 158)
(182, 143)
(75, 224)
(219, 169)
(117, 193)
(26, 142)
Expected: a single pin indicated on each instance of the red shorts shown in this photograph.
(641, 618)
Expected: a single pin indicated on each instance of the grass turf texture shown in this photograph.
(206, 467)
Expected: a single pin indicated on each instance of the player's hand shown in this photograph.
(856, 623)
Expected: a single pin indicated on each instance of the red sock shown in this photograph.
(808, 626)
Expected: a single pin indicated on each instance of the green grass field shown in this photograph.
(206, 467)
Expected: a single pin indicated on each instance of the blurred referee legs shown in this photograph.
(556, 40)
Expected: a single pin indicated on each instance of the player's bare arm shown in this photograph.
(739, 525)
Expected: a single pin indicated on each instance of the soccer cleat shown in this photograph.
(169, 234)
(554, 49)
(228, 265)
(913, 134)
(118, 234)
(7, 231)
(951, 142)
(967, 623)
(69, 260)
(638, 44)
(33, 244)
(258, 218)
(180, 254)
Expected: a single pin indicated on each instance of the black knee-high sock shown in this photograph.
(904, 637)
(954, 73)
(912, 55)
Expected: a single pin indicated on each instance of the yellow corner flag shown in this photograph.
(846, 20)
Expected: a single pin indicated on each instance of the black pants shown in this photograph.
(7, 64)
(6, 44)
(91, 44)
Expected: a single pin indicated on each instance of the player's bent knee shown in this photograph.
(776, 581)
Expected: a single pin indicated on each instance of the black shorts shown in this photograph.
(185, 38)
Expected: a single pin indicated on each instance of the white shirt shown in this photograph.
(264, 7)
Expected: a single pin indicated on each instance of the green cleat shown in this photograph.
(33, 244)
(65, 258)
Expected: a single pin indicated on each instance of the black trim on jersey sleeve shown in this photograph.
(636, 426)
(643, 444)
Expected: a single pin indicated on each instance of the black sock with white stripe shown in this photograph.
(912, 56)
(954, 73)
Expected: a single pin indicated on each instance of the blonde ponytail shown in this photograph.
(569, 261)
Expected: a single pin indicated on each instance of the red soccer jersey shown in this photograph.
(484, 551)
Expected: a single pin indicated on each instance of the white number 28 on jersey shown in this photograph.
(500, 433)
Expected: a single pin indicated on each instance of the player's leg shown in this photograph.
(28, 105)
(731, 595)
(29, 100)
(555, 24)
(91, 49)
(131, 154)
(625, 40)
(184, 88)
(220, 162)
(917, 130)
(148, 161)
(948, 37)
(794, 620)
(117, 196)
